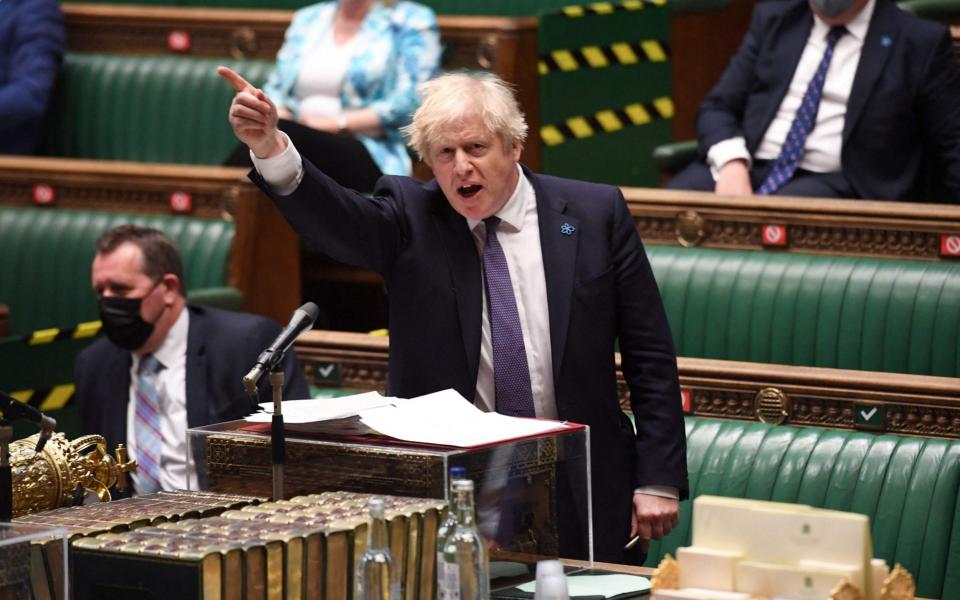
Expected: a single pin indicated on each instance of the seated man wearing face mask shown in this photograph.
(833, 98)
(164, 366)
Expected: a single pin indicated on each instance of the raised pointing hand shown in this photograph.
(253, 116)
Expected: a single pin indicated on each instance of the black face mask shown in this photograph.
(122, 322)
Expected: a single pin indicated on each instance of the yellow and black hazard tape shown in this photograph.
(57, 334)
(608, 8)
(608, 121)
(598, 57)
(53, 398)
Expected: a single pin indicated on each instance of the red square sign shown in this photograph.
(685, 398)
(949, 245)
(181, 202)
(44, 194)
(774, 235)
(178, 41)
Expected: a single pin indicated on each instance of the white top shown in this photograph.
(172, 397)
(823, 145)
(321, 77)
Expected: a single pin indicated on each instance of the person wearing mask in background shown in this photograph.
(164, 365)
(833, 98)
(345, 82)
(32, 42)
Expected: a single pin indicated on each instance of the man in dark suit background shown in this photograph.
(563, 269)
(164, 365)
(886, 117)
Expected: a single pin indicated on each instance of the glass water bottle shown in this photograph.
(446, 528)
(376, 576)
(467, 573)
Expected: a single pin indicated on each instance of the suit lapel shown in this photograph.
(463, 265)
(877, 47)
(196, 384)
(559, 251)
(117, 380)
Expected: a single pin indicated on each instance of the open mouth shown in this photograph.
(468, 191)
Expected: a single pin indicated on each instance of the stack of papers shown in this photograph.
(444, 418)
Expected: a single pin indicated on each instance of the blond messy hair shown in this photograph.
(447, 99)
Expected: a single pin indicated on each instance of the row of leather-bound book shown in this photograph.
(235, 547)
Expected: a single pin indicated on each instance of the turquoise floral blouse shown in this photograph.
(396, 48)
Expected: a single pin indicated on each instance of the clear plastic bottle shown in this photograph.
(467, 573)
(551, 581)
(446, 528)
(377, 576)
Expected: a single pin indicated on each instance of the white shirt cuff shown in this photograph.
(723, 152)
(664, 491)
(282, 172)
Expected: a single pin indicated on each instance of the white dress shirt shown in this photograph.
(519, 235)
(823, 145)
(172, 398)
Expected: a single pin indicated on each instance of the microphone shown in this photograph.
(301, 320)
(14, 409)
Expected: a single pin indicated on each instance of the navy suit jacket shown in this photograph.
(221, 347)
(903, 111)
(32, 41)
(600, 287)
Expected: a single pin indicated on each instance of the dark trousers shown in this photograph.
(696, 176)
(339, 155)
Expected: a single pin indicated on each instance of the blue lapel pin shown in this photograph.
(886, 41)
(567, 229)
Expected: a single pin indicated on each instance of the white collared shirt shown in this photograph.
(519, 235)
(824, 143)
(172, 396)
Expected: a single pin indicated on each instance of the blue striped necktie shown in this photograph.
(511, 374)
(147, 424)
(786, 164)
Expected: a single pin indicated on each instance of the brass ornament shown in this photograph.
(62, 473)
(773, 406)
(690, 228)
(667, 575)
(898, 585)
(845, 590)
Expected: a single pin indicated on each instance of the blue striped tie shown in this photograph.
(147, 423)
(511, 375)
(786, 164)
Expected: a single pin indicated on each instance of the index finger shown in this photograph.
(234, 79)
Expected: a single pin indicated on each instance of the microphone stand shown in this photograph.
(277, 438)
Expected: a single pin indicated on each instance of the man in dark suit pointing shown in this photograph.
(833, 98)
(507, 286)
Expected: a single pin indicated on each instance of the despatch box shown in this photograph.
(531, 493)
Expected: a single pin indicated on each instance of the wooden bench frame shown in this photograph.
(265, 257)
(805, 396)
(850, 227)
(497, 44)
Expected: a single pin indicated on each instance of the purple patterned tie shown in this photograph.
(510, 372)
(147, 423)
(786, 164)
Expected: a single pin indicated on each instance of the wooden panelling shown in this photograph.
(857, 227)
(265, 259)
(809, 396)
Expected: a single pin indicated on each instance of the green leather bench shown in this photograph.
(169, 109)
(812, 310)
(908, 486)
(45, 257)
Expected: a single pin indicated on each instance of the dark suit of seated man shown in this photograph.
(164, 366)
(563, 269)
(862, 116)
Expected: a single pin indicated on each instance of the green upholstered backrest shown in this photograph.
(907, 486)
(45, 257)
(814, 310)
(169, 109)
